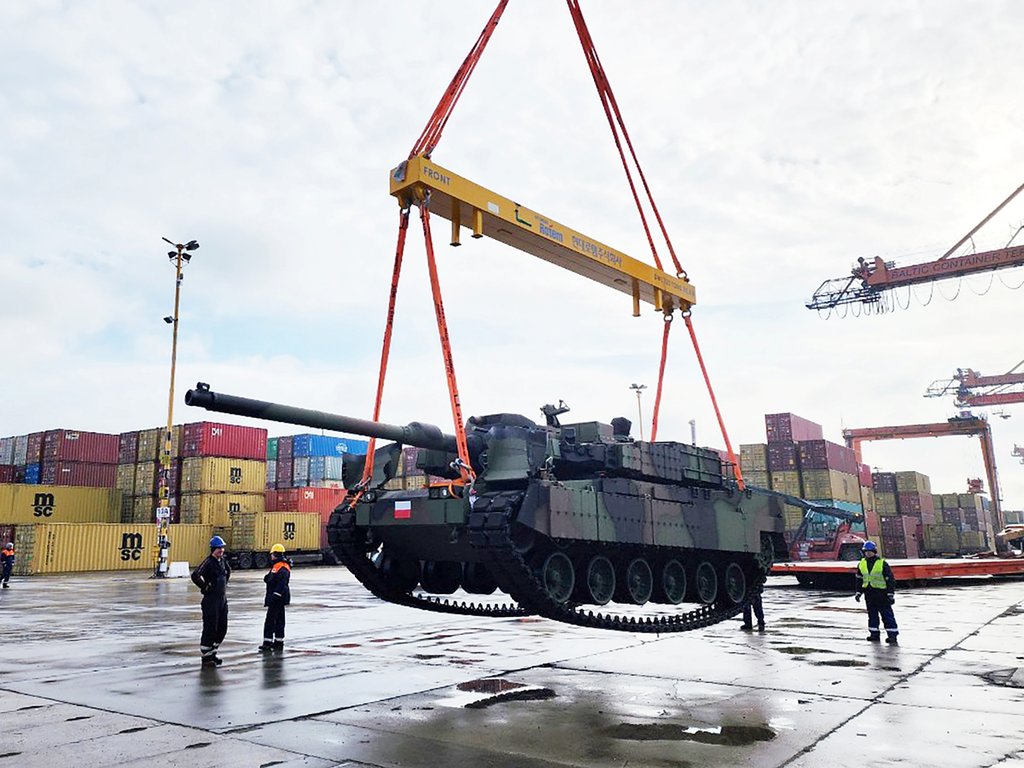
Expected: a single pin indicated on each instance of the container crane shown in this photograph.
(869, 280)
(958, 425)
(972, 390)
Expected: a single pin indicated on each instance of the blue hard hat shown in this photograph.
(217, 542)
(869, 546)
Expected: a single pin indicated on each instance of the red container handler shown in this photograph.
(72, 445)
(78, 473)
(205, 438)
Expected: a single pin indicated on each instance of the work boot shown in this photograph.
(892, 640)
(760, 627)
(217, 660)
(278, 645)
(874, 638)
(6, 585)
(267, 645)
(209, 661)
(747, 627)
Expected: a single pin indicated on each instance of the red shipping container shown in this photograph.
(789, 428)
(283, 473)
(864, 473)
(6, 475)
(127, 447)
(70, 445)
(872, 524)
(322, 500)
(899, 537)
(270, 501)
(78, 473)
(285, 447)
(204, 438)
(783, 457)
(822, 454)
(885, 482)
(34, 452)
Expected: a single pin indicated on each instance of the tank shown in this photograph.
(575, 522)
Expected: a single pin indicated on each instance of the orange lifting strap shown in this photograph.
(616, 123)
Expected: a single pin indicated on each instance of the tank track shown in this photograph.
(348, 548)
(490, 529)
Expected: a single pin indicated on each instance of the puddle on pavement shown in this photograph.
(836, 609)
(841, 663)
(797, 650)
(1013, 677)
(724, 735)
(485, 692)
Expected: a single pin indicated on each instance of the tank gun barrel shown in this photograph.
(415, 434)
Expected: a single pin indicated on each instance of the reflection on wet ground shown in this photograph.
(362, 682)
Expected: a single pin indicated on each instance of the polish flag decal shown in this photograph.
(403, 510)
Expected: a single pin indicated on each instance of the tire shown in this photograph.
(244, 560)
(261, 560)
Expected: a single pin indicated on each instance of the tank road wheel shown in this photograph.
(735, 583)
(261, 560)
(558, 576)
(477, 580)
(706, 583)
(600, 584)
(673, 583)
(441, 577)
(245, 560)
(638, 583)
(401, 575)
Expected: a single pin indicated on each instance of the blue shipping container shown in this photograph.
(300, 472)
(325, 445)
(32, 473)
(316, 468)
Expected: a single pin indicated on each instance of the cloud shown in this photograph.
(781, 142)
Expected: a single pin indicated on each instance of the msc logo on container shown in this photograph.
(131, 546)
(289, 531)
(235, 475)
(43, 504)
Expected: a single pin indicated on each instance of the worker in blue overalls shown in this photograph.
(7, 559)
(877, 584)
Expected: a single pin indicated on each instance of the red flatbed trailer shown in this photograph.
(833, 571)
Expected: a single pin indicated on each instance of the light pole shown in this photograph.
(181, 253)
(638, 388)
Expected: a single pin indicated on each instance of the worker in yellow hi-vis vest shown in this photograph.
(878, 586)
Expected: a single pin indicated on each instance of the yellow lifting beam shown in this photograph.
(464, 203)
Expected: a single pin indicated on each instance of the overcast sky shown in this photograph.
(782, 141)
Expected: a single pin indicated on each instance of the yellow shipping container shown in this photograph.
(59, 504)
(64, 548)
(830, 484)
(217, 508)
(949, 501)
(867, 499)
(912, 482)
(295, 530)
(754, 457)
(201, 473)
(191, 543)
(969, 501)
(125, 481)
(787, 481)
(259, 532)
(885, 504)
(151, 443)
(145, 478)
(144, 509)
(756, 478)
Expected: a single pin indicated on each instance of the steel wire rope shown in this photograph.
(1011, 287)
(896, 299)
(959, 286)
(991, 281)
(931, 294)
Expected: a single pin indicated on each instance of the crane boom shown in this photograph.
(421, 181)
(961, 425)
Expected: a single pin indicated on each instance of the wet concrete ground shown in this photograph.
(104, 669)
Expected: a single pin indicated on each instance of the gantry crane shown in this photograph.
(1005, 389)
(869, 281)
(958, 425)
